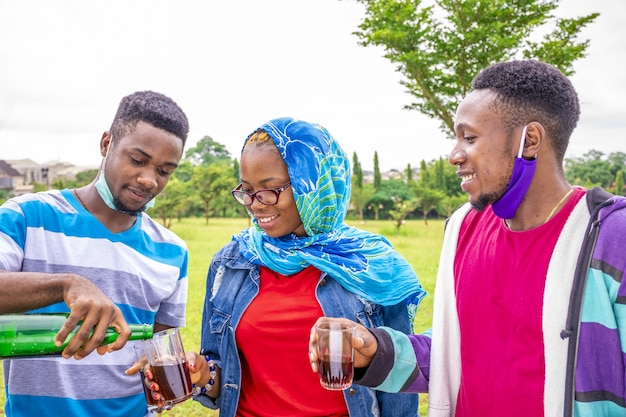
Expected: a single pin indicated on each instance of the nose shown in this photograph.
(256, 204)
(457, 155)
(148, 178)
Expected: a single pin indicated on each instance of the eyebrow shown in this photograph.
(460, 126)
(147, 155)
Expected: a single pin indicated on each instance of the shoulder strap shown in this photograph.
(596, 196)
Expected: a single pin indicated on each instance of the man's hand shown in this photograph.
(364, 343)
(97, 312)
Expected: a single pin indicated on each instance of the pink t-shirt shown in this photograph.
(273, 341)
(499, 279)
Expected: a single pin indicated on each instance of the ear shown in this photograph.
(105, 142)
(534, 141)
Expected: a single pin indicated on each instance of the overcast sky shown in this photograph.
(234, 64)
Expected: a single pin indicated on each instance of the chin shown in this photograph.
(483, 201)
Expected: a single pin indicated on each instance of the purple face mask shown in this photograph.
(522, 176)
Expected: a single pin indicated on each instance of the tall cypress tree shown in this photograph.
(377, 177)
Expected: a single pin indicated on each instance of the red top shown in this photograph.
(273, 341)
(500, 276)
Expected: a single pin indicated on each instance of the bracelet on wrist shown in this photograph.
(212, 374)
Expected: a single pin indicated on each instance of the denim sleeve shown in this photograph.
(207, 342)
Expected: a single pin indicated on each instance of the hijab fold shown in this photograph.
(362, 262)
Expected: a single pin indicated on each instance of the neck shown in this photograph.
(535, 211)
(115, 221)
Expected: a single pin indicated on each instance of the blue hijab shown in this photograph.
(362, 262)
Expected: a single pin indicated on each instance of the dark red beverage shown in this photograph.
(336, 371)
(174, 381)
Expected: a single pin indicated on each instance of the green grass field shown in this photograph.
(420, 244)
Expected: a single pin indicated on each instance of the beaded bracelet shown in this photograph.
(212, 375)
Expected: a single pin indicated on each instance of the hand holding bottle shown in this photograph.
(97, 312)
(24, 291)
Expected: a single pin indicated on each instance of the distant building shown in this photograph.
(19, 175)
(9, 177)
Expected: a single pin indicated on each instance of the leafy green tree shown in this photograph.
(617, 160)
(360, 198)
(236, 170)
(590, 169)
(206, 152)
(428, 199)
(392, 192)
(449, 203)
(439, 48)
(171, 202)
(82, 178)
(402, 209)
(210, 186)
(438, 174)
(184, 171)
(4, 196)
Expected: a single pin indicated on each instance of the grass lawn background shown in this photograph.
(419, 243)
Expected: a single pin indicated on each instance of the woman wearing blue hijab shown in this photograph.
(298, 261)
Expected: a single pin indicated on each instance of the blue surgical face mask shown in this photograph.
(105, 192)
(521, 177)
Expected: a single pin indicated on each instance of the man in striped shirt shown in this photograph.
(101, 232)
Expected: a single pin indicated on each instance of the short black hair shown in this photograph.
(150, 107)
(530, 90)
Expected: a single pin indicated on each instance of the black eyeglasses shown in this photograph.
(266, 197)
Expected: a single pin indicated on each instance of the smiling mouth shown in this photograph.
(266, 219)
(468, 177)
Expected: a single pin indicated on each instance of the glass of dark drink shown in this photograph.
(166, 357)
(335, 353)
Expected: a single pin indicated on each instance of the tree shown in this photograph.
(357, 172)
(592, 169)
(377, 176)
(617, 160)
(619, 183)
(428, 199)
(392, 194)
(81, 178)
(401, 210)
(448, 204)
(360, 197)
(440, 48)
(4, 195)
(184, 171)
(206, 152)
(409, 173)
(170, 203)
(211, 186)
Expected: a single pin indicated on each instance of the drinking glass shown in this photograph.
(166, 357)
(335, 353)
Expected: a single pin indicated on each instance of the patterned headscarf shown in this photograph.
(362, 262)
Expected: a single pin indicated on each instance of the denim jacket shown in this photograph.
(232, 284)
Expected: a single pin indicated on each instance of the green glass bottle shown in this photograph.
(33, 334)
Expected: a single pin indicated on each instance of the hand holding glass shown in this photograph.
(168, 364)
(335, 353)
